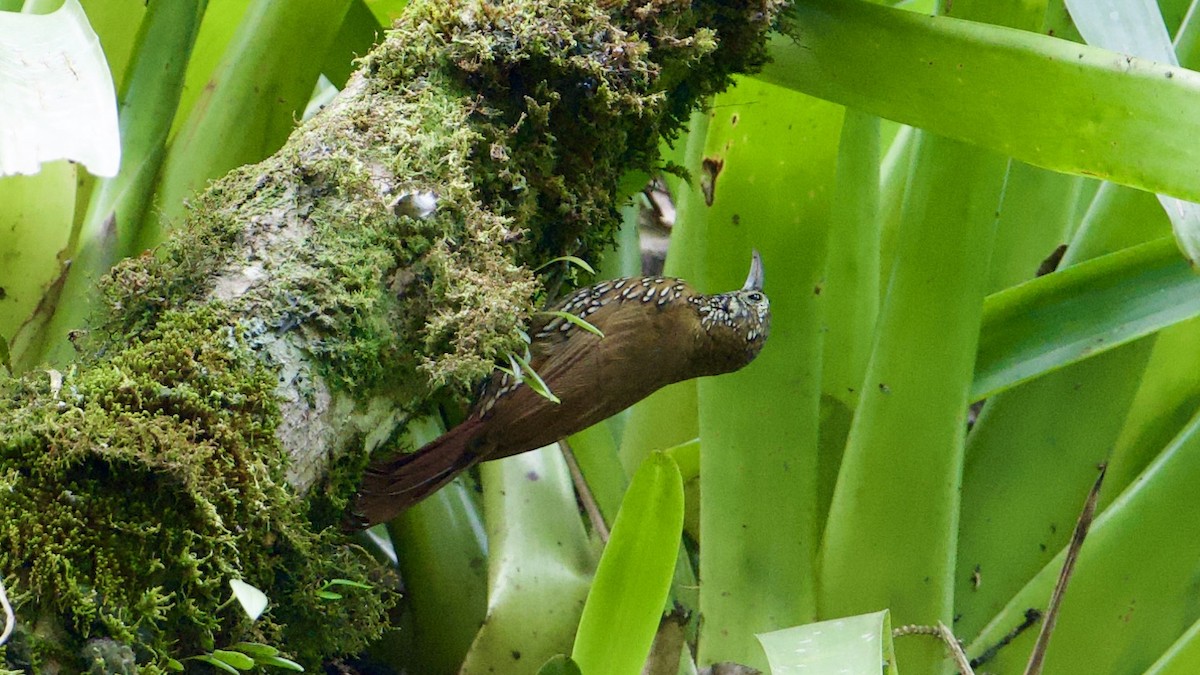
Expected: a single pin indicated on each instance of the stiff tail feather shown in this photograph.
(392, 485)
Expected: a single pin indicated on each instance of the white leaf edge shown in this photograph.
(253, 601)
(57, 99)
(1136, 27)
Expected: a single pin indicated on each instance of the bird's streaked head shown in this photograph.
(739, 320)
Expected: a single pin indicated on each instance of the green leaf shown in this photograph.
(253, 601)
(579, 262)
(1110, 116)
(1125, 588)
(1183, 658)
(329, 595)
(280, 662)
(540, 561)
(534, 381)
(4, 356)
(578, 321)
(560, 665)
(914, 407)
(1083, 310)
(348, 582)
(246, 105)
(35, 225)
(214, 662)
(150, 93)
(1061, 424)
(758, 427)
(236, 659)
(629, 592)
(855, 645)
(255, 649)
(174, 664)
(443, 561)
(1140, 32)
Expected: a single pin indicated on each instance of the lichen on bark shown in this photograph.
(309, 305)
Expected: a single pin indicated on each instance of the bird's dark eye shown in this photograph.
(755, 296)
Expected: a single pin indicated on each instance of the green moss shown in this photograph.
(566, 96)
(137, 490)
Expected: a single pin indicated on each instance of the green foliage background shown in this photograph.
(836, 475)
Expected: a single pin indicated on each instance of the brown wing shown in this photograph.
(646, 345)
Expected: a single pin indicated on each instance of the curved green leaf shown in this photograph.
(629, 592)
(1080, 311)
(1110, 116)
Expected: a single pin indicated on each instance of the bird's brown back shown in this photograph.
(651, 330)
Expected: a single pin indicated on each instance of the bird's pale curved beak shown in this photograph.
(754, 280)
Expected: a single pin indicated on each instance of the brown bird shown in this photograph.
(656, 331)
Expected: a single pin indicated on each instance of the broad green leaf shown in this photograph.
(59, 101)
(36, 213)
(360, 31)
(236, 659)
(850, 289)
(1136, 27)
(855, 645)
(386, 11)
(596, 453)
(1086, 309)
(1111, 116)
(442, 553)
(629, 592)
(891, 537)
(539, 564)
(759, 426)
(1060, 425)
(1167, 395)
(559, 665)
(1183, 657)
(1040, 212)
(249, 103)
(116, 24)
(1125, 607)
